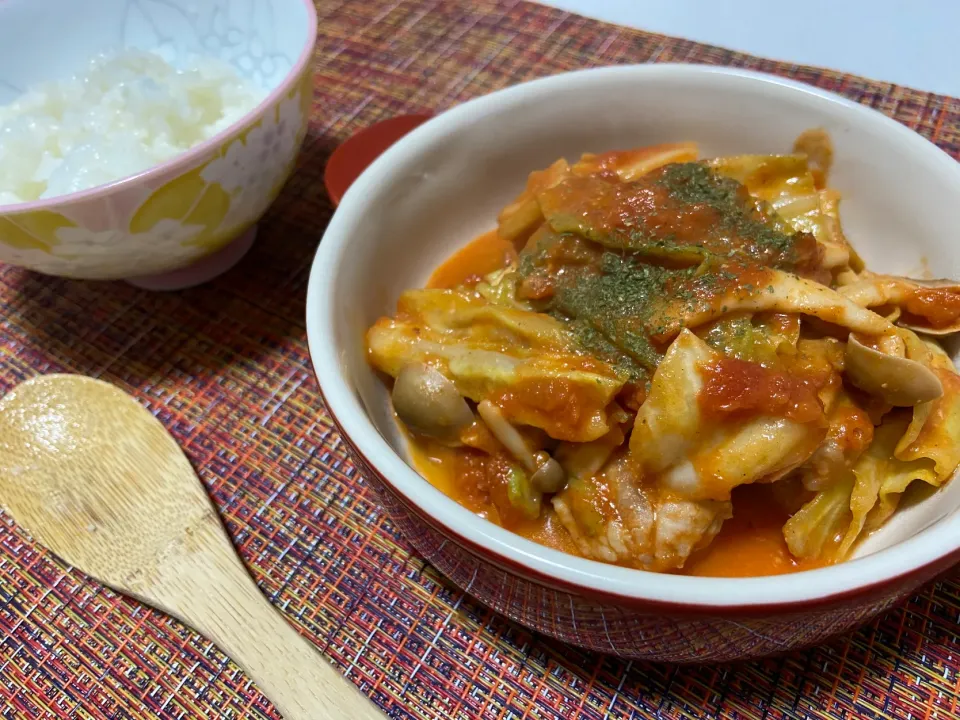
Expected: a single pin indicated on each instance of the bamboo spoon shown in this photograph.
(88, 472)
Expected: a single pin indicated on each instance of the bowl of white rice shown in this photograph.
(149, 144)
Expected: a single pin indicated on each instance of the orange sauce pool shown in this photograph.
(480, 257)
(749, 544)
(436, 464)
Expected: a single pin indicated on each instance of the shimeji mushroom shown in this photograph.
(897, 380)
(546, 475)
(428, 403)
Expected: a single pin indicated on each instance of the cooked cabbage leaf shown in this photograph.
(698, 457)
(486, 325)
(757, 338)
(934, 430)
(833, 231)
(786, 184)
(863, 498)
(928, 306)
(813, 528)
(629, 165)
(881, 479)
(682, 212)
(776, 179)
(742, 290)
(523, 215)
(526, 363)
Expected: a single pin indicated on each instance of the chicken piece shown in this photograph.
(616, 519)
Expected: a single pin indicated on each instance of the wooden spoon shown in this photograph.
(88, 472)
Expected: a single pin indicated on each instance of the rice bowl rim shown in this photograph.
(191, 157)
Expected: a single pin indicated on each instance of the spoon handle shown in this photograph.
(209, 589)
(286, 667)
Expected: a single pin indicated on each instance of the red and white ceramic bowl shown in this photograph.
(444, 183)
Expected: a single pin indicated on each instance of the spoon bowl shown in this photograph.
(92, 519)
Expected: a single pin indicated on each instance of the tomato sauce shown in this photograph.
(742, 388)
(749, 544)
(562, 408)
(465, 478)
(482, 256)
(940, 307)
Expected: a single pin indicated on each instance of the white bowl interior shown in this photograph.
(261, 38)
(445, 183)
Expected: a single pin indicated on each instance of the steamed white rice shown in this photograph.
(128, 112)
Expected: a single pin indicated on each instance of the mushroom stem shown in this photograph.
(507, 434)
(546, 474)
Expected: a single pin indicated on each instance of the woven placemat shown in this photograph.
(225, 367)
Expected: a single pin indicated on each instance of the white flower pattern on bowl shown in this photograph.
(253, 168)
(109, 249)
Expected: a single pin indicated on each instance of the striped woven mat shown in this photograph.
(225, 367)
